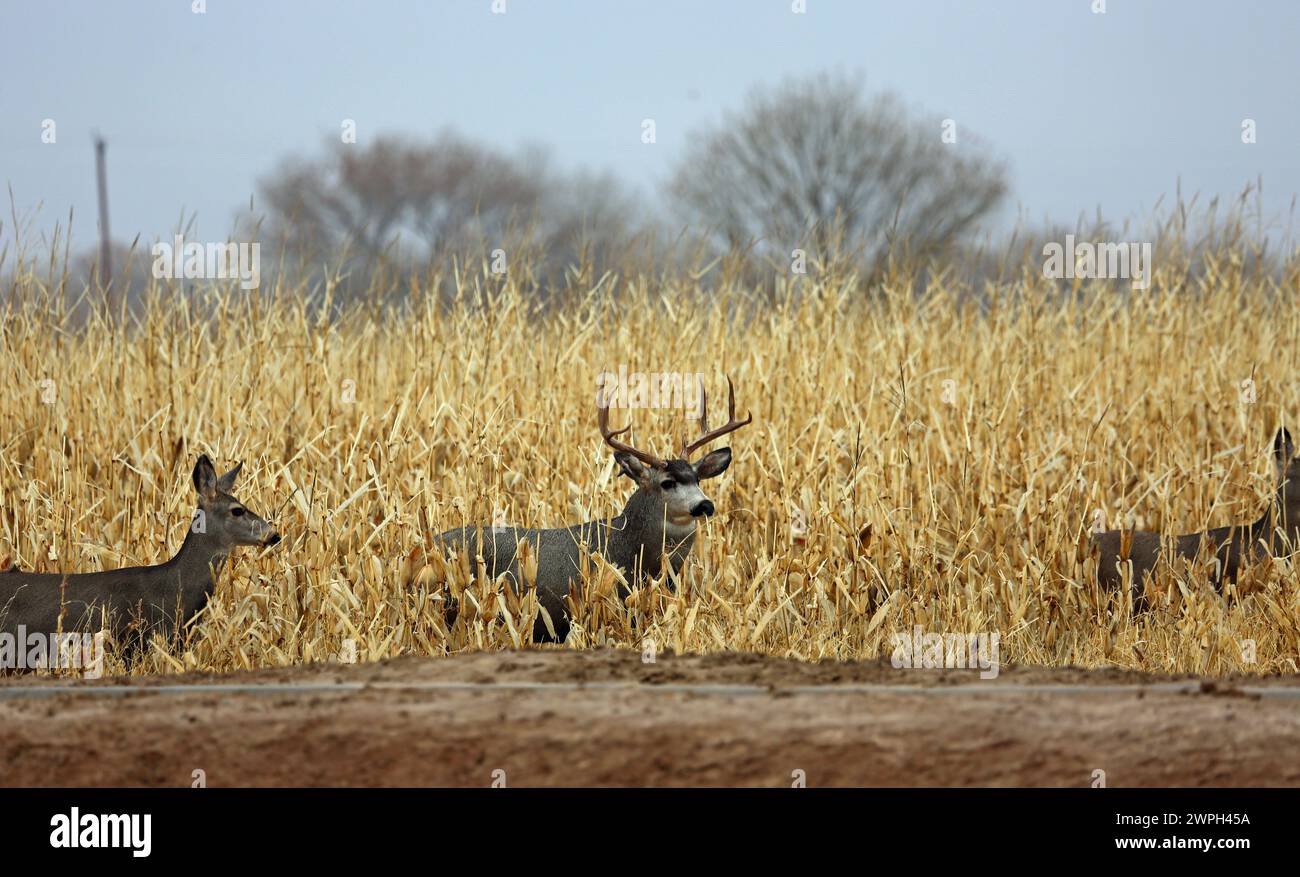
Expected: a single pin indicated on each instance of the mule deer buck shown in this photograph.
(141, 599)
(1279, 525)
(658, 521)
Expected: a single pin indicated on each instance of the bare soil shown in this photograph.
(681, 721)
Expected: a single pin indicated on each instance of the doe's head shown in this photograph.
(225, 519)
(1287, 466)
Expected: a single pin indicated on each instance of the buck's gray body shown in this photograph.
(634, 541)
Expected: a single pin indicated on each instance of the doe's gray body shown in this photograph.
(156, 596)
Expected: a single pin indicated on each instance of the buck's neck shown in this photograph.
(641, 535)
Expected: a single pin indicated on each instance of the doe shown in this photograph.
(141, 599)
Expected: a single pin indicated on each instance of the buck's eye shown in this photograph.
(668, 485)
(236, 511)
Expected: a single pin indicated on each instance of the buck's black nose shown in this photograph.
(273, 539)
(702, 510)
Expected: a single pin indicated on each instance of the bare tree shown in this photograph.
(813, 162)
(587, 218)
(407, 202)
(420, 195)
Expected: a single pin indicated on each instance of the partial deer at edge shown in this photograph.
(1230, 546)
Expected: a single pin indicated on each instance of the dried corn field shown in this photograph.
(932, 459)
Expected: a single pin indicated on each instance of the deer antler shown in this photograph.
(708, 435)
(602, 416)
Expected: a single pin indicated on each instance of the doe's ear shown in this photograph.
(1283, 449)
(713, 464)
(226, 483)
(205, 477)
(632, 467)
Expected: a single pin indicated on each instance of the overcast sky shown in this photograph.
(1089, 110)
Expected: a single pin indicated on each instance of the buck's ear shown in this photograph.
(226, 483)
(1283, 449)
(632, 467)
(713, 464)
(205, 477)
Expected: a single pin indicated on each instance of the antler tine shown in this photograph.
(703, 420)
(610, 437)
(731, 425)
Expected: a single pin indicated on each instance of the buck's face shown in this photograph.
(225, 520)
(676, 485)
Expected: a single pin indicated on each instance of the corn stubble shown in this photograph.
(868, 496)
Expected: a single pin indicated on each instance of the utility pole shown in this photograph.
(105, 252)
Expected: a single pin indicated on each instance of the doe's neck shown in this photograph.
(1273, 519)
(200, 554)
